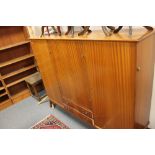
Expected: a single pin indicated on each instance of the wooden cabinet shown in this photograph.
(106, 81)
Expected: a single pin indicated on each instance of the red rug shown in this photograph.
(50, 122)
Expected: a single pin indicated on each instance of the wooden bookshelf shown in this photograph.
(16, 82)
(1, 88)
(20, 96)
(3, 94)
(14, 45)
(5, 104)
(16, 60)
(18, 71)
(16, 63)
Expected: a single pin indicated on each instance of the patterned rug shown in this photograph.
(50, 122)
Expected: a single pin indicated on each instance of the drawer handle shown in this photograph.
(85, 112)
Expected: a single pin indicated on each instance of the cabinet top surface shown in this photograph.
(138, 34)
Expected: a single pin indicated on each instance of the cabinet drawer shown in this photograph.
(82, 110)
(85, 112)
(78, 114)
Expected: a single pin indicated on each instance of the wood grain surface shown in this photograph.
(106, 83)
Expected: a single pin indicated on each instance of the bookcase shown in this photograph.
(16, 63)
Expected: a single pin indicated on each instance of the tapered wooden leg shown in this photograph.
(52, 105)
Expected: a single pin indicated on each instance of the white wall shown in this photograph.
(152, 114)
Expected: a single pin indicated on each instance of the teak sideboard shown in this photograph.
(105, 81)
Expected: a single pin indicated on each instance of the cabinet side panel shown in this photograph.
(144, 80)
(42, 55)
(111, 69)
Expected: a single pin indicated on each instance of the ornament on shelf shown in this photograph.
(55, 30)
(106, 31)
(84, 31)
(70, 29)
(116, 30)
(149, 28)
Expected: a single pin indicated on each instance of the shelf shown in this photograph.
(21, 93)
(18, 71)
(14, 45)
(1, 95)
(16, 82)
(1, 88)
(20, 96)
(5, 104)
(16, 60)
